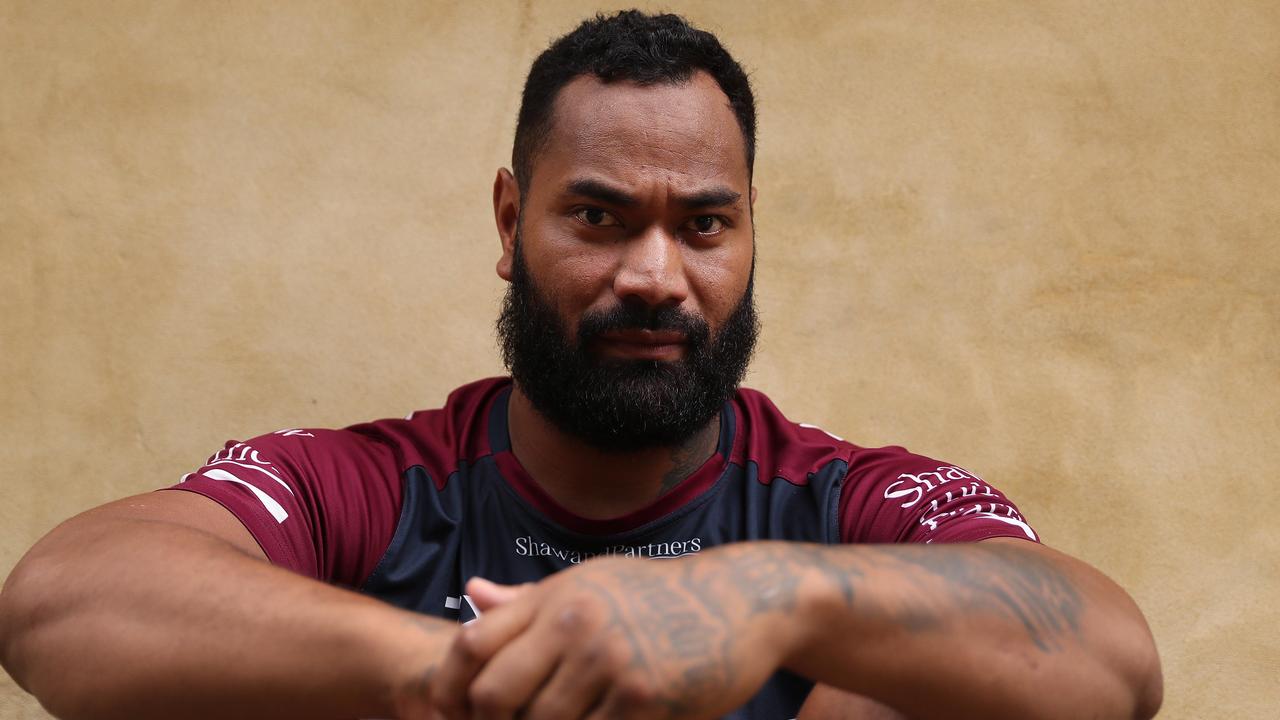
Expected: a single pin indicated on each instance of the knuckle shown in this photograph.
(572, 617)
(449, 713)
(547, 709)
(469, 643)
(594, 654)
(579, 613)
(615, 656)
(485, 697)
(439, 697)
(635, 691)
(448, 707)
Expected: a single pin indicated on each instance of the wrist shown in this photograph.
(414, 645)
(787, 593)
(824, 604)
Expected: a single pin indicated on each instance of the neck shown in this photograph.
(594, 483)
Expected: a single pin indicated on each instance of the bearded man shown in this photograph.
(617, 530)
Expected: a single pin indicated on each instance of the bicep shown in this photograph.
(184, 509)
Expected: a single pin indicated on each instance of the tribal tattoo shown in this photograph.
(1004, 580)
(662, 624)
(431, 627)
(685, 460)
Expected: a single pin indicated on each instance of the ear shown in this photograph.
(506, 213)
(753, 198)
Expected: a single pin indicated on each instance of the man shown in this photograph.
(631, 534)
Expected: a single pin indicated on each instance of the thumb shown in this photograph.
(488, 595)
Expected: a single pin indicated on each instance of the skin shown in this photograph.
(163, 605)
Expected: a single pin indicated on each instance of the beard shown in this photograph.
(622, 405)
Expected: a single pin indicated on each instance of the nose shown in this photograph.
(651, 269)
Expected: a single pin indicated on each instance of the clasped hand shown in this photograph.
(617, 638)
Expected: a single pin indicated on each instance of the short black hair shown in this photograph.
(632, 46)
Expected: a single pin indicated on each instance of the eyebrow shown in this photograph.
(603, 192)
(606, 193)
(710, 198)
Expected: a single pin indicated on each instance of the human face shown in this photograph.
(629, 320)
(640, 194)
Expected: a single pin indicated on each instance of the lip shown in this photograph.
(643, 344)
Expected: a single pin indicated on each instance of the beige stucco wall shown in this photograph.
(1040, 240)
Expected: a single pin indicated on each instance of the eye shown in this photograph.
(595, 217)
(706, 224)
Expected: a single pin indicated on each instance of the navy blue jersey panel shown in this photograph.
(781, 510)
(419, 564)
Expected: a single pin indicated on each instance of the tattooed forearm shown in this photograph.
(1011, 582)
(977, 578)
(764, 581)
(767, 576)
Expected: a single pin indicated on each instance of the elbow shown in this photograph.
(29, 620)
(1124, 654)
(1151, 699)
(18, 617)
(1147, 681)
(1114, 675)
(1133, 663)
(1109, 684)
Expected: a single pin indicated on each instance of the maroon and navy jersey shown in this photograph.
(410, 510)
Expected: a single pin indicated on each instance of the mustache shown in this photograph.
(638, 316)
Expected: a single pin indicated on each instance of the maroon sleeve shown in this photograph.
(323, 503)
(893, 496)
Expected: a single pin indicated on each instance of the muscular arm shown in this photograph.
(1000, 629)
(162, 605)
(1003, 628)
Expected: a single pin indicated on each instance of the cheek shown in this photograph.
(720, 278)
(584, 279)
(571, 276)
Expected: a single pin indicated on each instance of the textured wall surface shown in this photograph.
(1041, 240)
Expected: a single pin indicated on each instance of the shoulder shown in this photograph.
(793, 450)
(435, 438)
(800, 447)
(325, 502)
(888, 494)
(787, 449)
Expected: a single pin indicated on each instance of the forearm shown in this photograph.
(992, 630)
(143, 618)
(984, 630)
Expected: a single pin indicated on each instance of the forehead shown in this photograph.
(682, 134)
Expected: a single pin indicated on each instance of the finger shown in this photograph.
(487, 595)
(626, 700)
(472, 647)
(511, 678)
(577, 685)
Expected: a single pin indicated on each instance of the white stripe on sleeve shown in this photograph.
(273, 507)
